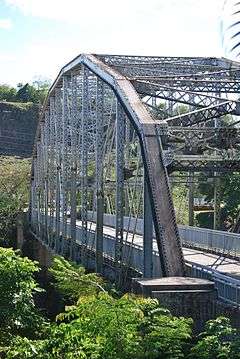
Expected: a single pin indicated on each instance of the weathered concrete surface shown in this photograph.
(196, 304)
(147, 286)
(183, 296)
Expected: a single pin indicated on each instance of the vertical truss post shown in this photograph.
(44, 160)
(191, 182)
(32, 204)
(64, 162)
(191, 200)
(127, 163)
(99, 175)
(84, 162)
(154, 102)
(51, 172)
(120, 131)
(217, 202)
(40, 190)
(73, 200)
(147, 234)
(57, 120)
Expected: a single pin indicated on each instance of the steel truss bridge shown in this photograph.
(112, 132)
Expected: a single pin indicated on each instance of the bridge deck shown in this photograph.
(222, 264)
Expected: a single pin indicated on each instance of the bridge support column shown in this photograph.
(147, 235)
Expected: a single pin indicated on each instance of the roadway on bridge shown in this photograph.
(222, 264)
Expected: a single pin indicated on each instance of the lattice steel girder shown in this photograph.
(203, 115)
(214, 86)
(170, 70)
(175, 94)
(203, 164)
(202, 61)
(220, 137)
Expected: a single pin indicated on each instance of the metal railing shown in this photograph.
(217, 241)
(220, 242)
(228, 288)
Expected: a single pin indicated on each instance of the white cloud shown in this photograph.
(5, 24)
(152, 27)
(108, 11)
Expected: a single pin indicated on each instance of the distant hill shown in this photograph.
(18, 124)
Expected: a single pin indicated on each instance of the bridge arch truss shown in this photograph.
(101, 149)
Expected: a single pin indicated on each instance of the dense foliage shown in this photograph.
(72, 281)
(100, 326)
(18, 315)
(97, 325)
(229, 192)
(219, 341)
(35, 93)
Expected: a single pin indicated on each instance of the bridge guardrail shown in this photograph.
(212, 240)
(217, 241)
(228, 288)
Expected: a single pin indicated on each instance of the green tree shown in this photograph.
(219, 341)
(7, 93)
(42, 86)
(229, 196)
(36, 92)
(99, 326)
(18, 315)
(27, 93)
(72, 281)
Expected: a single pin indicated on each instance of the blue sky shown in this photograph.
(37, 37)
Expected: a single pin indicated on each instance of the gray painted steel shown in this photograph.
(103, 129)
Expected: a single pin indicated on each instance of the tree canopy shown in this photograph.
(35, 92)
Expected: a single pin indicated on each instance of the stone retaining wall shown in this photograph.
(18, 123)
